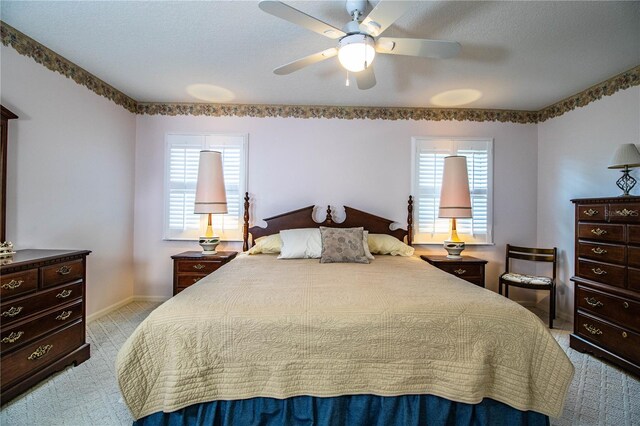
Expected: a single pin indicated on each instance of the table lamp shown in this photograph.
(455, 200)
(626, 156)
(211, 197)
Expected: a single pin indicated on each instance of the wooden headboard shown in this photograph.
(303, 218)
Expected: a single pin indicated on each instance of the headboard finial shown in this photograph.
(410, 221)
(245, 227)
(328, 219)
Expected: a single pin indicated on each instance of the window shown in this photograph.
(427, 165)
(181, 172)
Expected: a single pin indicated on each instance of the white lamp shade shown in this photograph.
(210, 194)
(626, 155)
(455, 200)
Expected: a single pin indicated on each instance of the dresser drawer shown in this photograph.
(198, 266)
(18, 283)
(61, 273)
(601, 232)
(634, 257)
(602, 252)
(17, 335)
(19, 309)
(593, 212)
(41, 352)
(624, 212)
(633, 279)
(634, 234)
(615, 309)
(185, 280)
(602, 272)
(616, 339)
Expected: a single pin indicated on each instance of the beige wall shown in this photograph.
(574, 151)
(70, 174)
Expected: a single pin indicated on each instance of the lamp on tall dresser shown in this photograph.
(211, 197)
(626, 156)
(455, 200)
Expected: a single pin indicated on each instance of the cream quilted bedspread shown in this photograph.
(279, 328)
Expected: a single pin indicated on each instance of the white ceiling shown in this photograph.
(519, 55)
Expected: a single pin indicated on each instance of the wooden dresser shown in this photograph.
(607, 280)
(190, 267)
(42, 309)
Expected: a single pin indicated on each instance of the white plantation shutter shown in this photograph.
(428, 162)
(183, 153)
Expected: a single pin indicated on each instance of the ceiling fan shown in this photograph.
(359, 40)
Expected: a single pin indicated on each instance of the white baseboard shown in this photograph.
(105, 311)
(102, 312)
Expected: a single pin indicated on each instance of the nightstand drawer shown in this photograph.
(464, 271)
(185, 280)
(619, 340)
(204, 267)
(18, 283)
(615, 309)
(61, 273)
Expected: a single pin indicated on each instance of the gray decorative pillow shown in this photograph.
(342, 245)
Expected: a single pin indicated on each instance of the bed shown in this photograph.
(394, 342)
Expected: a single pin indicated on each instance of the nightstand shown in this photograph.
(468, 268)
(191, 266)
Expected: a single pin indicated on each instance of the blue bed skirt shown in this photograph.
(351, 410)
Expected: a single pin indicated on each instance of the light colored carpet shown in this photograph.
(88, 394)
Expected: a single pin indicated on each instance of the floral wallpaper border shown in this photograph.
(26, 46)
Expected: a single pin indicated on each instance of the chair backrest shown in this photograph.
(533, 254)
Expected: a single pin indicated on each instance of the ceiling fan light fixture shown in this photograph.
(356, 52)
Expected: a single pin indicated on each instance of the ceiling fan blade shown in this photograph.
(383, 15)
(307, 60)
(366, 79)
(418, 47)
(297, 17)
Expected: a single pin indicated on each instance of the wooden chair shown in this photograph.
(535, 282)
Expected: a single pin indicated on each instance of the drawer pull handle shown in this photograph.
(195, 280)
(64, 315)
(64, 270)
(12, 312)
(40, 352)
(460, 271)
(591, 212)
(624, 334)
(598, 232)
(13, 337)
(598, 250)
(599, 271)
(64, 294)
(199, 266)
(592, 301)
(626, 305)
(625, 212)
(591, 329)
(13, 284)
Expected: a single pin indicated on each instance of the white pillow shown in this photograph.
(365, 244)
(304, 243)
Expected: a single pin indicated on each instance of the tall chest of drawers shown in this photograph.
(42, 314)
(607, 280)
